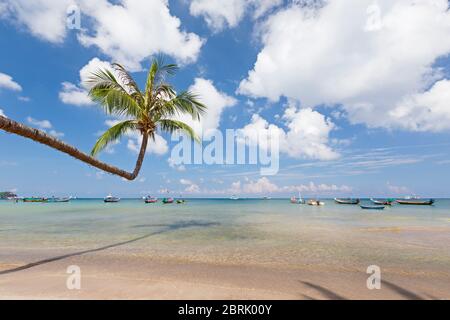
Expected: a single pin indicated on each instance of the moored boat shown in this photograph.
(416, 202)
(315, 202)
(383, 202)
(347, 201)
(58, 200)
(35, 199)
(150, 199)
(372, 207)
(111, 199)
(168, 200)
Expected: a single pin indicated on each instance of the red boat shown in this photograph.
(151, 200)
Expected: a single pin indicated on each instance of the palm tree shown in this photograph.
(147, 112)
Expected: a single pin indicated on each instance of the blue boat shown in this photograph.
(372, 207)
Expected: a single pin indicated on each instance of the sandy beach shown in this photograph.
(109, 277)
(241, 251)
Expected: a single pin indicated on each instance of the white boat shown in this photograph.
(315, 202)
(234, 197)
(111, 199)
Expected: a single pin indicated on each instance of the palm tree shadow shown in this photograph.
(167, 228)
(402, 291)
(324, 291)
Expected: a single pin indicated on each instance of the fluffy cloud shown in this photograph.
(45, 19)
(72, 94)
(145, 28)
(157, 146)
(78, 94)
(215, 100)
(220, 14)
(307, 134)
(190, 186)
(7, 82)
(427, 111)
(151, 25)
(265, 186)
(45, 126)
(2, 113)
(362, 54)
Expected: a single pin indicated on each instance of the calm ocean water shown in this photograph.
(245, 231)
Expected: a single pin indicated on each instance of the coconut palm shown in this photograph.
(148, 112)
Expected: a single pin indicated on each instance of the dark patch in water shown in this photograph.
(168, 228)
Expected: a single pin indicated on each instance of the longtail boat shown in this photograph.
(58, 200)
(383, 202)
(372, 207)
(150, 200)
(34, 199)
(347, 201)
(416, 202)
(315, 202)
(111, 199)
(167, 200)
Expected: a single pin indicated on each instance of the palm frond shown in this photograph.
(158, 73)
(113, 134)
(171, 126)
(127, 80)
(115, 101)
(104, 77)
(185, 103)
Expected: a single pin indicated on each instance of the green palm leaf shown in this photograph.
(115, 102)
(113, 134)
(171, 126)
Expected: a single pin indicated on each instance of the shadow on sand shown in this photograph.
(328, 294)
(166, 228)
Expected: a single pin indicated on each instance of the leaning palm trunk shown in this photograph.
(12, 126)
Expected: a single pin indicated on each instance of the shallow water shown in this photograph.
(260, 232)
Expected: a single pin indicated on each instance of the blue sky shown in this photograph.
(363, 106)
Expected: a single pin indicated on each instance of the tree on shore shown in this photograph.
(146, 112)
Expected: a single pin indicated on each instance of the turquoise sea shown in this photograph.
(260, 232)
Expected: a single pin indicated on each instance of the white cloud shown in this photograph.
(173, 165)
(185, 182)
(217, 13)
(78, 94)
(362, 54)
(220, 14)
(72, 94)
(7, 82)
(2, 113)
(45, 19)
(398, 190)
(24, 99)
(41, 124)
(145, 28)
(307, 134)
(158, 146)
(427, 111)
(45, 126)
(215, 100)
(265, 186)
(193, 188)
